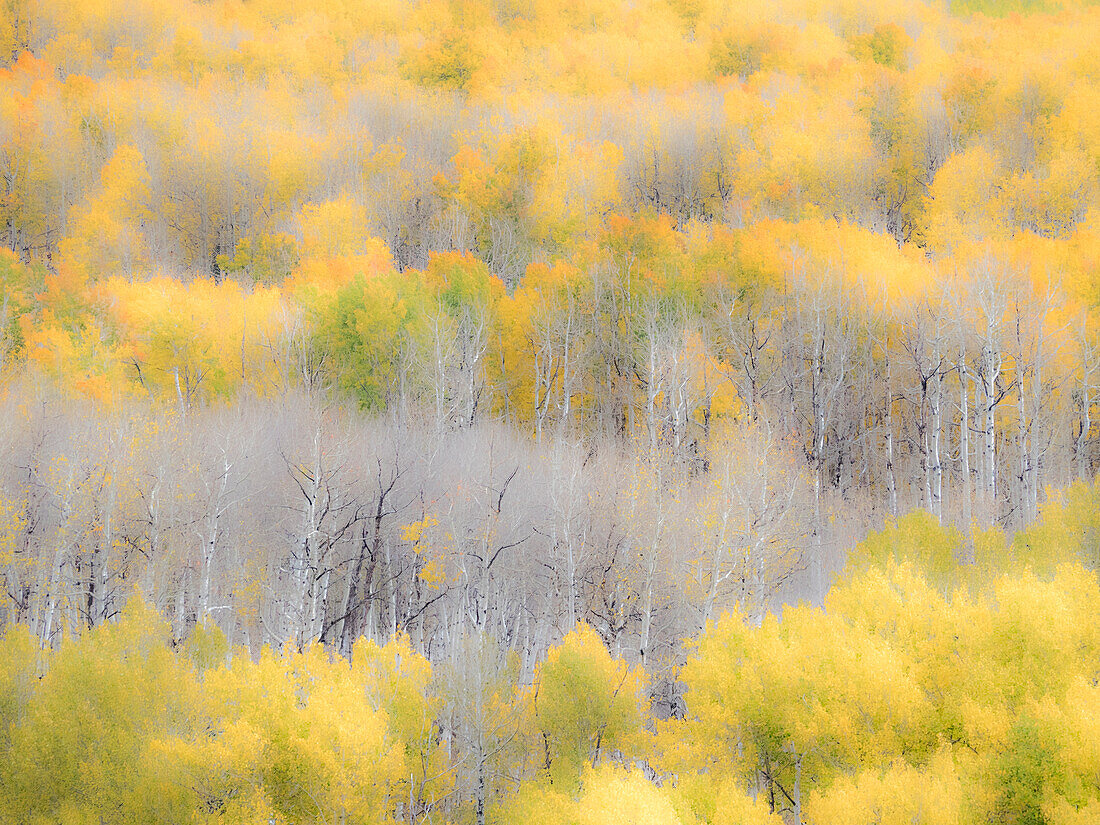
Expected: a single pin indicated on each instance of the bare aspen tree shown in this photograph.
(665, 374)
(742, 331)
(751, 522)
(824, 345)
(881, 337)
(547, 364)
(473, 344)
(1037, 352)
(963, 371)
(358, 614)
(935, 401)
(441, 356)
(569, 529)
(924, 339)
(888, 403)
(961, 337)
(328, 512)
(1089, 355)
(991, 302)
(455, 355)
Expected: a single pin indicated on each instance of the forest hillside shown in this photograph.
(577, 411)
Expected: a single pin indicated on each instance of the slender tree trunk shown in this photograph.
(964, 451)
(566, 373)
(991, 371)
(361, 576)
(891, 479)
(936, 402)
(1082, 440)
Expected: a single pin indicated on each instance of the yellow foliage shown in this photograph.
(198, 342)
(104, 240)
(334, 229)
(903, 794)
(615, 797)
(585, 704)
(414, 531)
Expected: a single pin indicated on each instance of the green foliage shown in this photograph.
(19, 283)
(267, 259)
(364, 330)
(1002, 8)
(448, 62)
(19, 664)
(740, 52)
(462, 282)
(206, 647)
(886, 45)
(1023, 771)
(903, 694)
(805, 700)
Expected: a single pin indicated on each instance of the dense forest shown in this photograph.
(579, 411)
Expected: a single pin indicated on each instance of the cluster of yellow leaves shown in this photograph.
(925, 690)
(199, 341)
(103, 232)
(121, 725)
(585, 703)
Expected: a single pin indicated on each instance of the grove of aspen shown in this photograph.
(559, 412)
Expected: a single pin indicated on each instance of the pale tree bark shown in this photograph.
(751, 523)
(935, 400)
(569, 530)
(964, 443)
(480, 727)
(924, 342)
(1089, 364)
(568, 371)
(991, 302)
(1036, 383)
(652, 358)
(473, 343)
(826, 343)
(455, 364)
